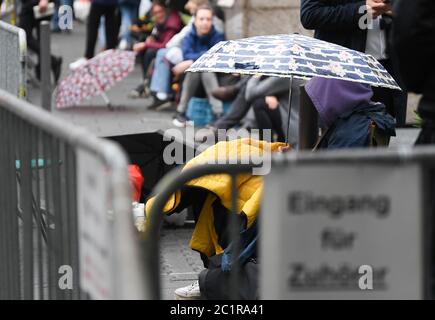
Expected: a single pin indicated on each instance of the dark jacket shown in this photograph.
(163, 33)
(130, 2)
(27, 6)
(106, 2)
(352, 129)
(337, 21)
(414, 43)
(194, 46)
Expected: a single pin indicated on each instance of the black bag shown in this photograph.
(214, 283)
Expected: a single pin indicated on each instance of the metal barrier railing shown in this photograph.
(303, 256)
(172, 182)
(10, 12)
(13, 53)
(66, 228)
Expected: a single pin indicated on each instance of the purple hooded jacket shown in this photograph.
(333, 97)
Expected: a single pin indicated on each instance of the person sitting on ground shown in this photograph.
(168, 23)
(170, 56)
(202, 37)
(252, 89)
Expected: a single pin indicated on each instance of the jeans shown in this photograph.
(128, 15)
(55, 19)
(160, 82)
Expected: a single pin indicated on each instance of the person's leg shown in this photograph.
(210, 83)
(148, 58)
(95, 14)
(262, 116)
(55, 18)
(190, 83)
(128, 13)
(395, 101)
(110, 24)
(276, 120)
(237, 111)
(28, 23)
(160, 81)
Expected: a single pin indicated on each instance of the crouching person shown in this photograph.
(348, 115)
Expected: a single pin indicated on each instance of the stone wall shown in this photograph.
(260, 17)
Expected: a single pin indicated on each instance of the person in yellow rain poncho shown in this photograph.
(210, 196)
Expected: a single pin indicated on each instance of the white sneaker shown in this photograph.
(123, 44)
(190, 292)
(77, 64)
(139, 216)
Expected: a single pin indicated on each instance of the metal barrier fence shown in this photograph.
(352, 224)
(13, 53)
(172, 182)
(10, 13)
(66, 227)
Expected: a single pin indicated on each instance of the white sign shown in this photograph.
(96, 265)
(342, 232)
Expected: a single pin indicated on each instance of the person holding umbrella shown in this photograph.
(347, 23)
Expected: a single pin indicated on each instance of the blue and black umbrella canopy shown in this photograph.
(293, 55)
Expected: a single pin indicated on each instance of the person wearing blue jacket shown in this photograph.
(202, 37)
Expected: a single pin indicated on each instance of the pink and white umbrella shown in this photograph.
(96, 76)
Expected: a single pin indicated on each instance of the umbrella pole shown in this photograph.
(105, 98)
(289, 109)
(98, 87)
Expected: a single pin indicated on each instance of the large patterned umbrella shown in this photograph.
(293, 55)
(95, 77)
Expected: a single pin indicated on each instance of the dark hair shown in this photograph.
(204, 7)
(160, 3)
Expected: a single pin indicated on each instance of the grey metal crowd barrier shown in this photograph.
(10, 12)
(351, 224)
(13, 53)
(172, 182)
(66, 226)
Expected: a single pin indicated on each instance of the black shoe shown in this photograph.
(138, 92)
(56, 66)
(157, 103)
(179, 120)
